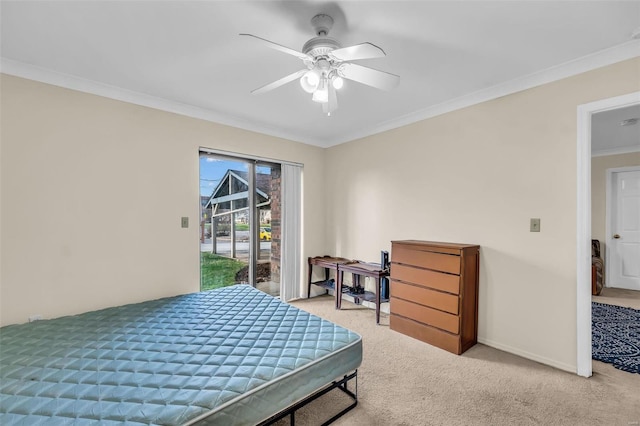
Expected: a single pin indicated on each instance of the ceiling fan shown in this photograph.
(327, 64)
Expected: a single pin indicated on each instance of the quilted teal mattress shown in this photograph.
(228, 356)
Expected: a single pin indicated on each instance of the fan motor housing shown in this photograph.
(320, 46)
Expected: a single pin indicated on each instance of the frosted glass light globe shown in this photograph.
(337, 82)
(321, 95)
(309, 81)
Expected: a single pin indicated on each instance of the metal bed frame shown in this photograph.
(338, 384)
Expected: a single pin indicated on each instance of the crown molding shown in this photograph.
(619, 53)
(68, 81)
(599, 59)
(616, 151)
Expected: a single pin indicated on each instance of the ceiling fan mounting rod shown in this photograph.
(322, 24)
(321, 46)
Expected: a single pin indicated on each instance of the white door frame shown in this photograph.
(583, 221)
(609, 211)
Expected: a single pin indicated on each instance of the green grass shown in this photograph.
(217, 271)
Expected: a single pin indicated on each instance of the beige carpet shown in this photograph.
(619, 296)
(403, 381)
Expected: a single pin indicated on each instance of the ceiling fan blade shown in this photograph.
(281, 48)
(280, 82)
(332, 102)
(369, 76)
(359, 51)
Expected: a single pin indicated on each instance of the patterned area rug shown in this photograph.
(616, 336)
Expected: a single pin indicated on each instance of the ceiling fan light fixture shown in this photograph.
(322, 94)
(310, 81)
(337, 82)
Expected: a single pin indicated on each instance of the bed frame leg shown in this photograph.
(339, 384)
(354, 395)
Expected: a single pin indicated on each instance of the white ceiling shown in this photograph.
(187, 57)
(610, 136)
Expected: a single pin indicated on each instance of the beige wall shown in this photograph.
(476, 176)
(92, 191)
(599, 166)
(92, 194)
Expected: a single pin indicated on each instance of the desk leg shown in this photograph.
(309, 282)
(338, 289)
(355, 279)
(378, 289)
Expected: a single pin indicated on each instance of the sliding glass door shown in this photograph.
(240, 223)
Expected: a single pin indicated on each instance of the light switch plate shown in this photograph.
(184, 222)
(534, 225)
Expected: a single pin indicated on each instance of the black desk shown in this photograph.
(358, 268)
(328, 263)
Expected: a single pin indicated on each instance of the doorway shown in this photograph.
(583, 222)
(239, 222)
(623, 228)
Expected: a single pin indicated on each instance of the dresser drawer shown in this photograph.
(442, 339)
(426, 278)
(426, 315)
(425, 259)
(424, 296)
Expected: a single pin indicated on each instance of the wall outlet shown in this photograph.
(534, 225)
(36, 317)
(184, 222)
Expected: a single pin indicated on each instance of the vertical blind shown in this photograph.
(291, 280)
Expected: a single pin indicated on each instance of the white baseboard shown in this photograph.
(528, 355)
(384, 307)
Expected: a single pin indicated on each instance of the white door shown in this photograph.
(624, 241)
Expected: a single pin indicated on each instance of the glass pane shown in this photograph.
(224, 226)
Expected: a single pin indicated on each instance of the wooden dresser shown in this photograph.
(434, 292)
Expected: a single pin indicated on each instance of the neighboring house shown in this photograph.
(229, 198)
(231, 193)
